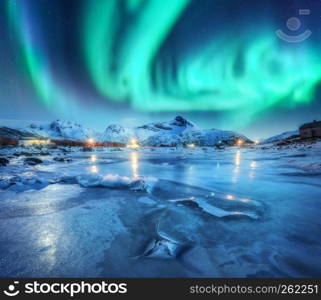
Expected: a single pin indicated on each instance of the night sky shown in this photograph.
(217, 62)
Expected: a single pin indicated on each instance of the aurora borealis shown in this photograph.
(217, 62)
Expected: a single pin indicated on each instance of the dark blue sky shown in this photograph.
(45, 73)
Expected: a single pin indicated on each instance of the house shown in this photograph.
(310, 130)
(33, 141)
(10, 136)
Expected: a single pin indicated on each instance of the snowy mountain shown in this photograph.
(166, 133)
(62, 130)
(176, 126)
(173, 133)
(10, 133)
(117, 134)
(163, 132)
(281, 136)
(212, 137)
(176, 132)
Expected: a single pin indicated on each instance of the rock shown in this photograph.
(220, 147)
(64, 150)
(87, 149)
(44, 153)
(3, 161)
(22, 153)
(32, 161)
(62, 159)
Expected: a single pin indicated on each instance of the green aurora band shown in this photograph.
(207, 79)
(150, 22)
(121, 45)
(35, 62)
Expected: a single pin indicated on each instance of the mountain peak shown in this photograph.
(61, 129)
(180, 121)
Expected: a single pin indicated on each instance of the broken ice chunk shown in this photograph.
(163, 248)
(111, 181)
(68, 180)
(213, 210)
(32, 161)
(4, 183)
(23, 182)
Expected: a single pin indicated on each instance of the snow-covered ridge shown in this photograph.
(163, 131)
(63, 130)
(176, 132)
(117, 134)
(10, 133)
(281, 136)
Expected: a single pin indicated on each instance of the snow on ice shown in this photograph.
(173, 211)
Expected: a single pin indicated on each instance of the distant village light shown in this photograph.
(133, 144)
(240, 142)
(91, 141)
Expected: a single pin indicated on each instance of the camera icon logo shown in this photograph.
(12, 290)
(294, 24)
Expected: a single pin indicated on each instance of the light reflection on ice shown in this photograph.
(134, 164)
(94, 169)
(237, 163)
(238, 158)
(253, 164)
(47, 241)
(258, 212)
(229, 197)
(245, 200)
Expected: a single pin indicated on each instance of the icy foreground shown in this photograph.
(160, 212)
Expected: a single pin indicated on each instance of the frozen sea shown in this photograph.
(162, 213)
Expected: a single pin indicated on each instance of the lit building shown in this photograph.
(133, 144)
(29, 141)
(90, 141)
(239, 142)
(310, 130)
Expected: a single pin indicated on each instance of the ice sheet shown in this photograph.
(162, 212)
